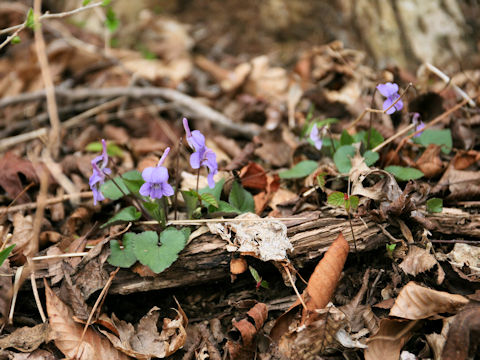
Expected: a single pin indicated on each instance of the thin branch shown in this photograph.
(20, 27)
(448, 81)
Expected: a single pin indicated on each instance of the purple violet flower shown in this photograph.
(418, 125)
(315, 137)
(390, 91)
(99, 174)
(156, 180)
(202, 156)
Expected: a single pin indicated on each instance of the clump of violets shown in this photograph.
(100, 171)
(156, 180)
(390, 91)
(316, 137)
(419, 125)
(202, 155)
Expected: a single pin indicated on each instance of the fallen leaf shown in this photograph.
(464, 159)
(22, 237)
(430, 163)
(247, 329)
(387, 343)
(463, 337)
(324, 280)
(67, 334)
(143, 341)
(314, 339)
(416, 302)
(10, 167)
(320, 288)
(27, 339)
(238, 266)
(418, 260)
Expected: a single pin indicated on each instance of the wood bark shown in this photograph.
(206, 258)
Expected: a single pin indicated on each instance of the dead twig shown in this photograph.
(54, 136)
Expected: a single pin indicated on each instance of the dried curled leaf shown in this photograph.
(316, 338)
(67, 334)
(143, 341)
(320, 287)
(417, 302)
(324, 279)
(26, 339)
(387, 343)
(247, 329)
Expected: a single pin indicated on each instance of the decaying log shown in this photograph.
(206, 258)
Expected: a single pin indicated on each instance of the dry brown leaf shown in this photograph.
(247, 329)
(314, 339)
(418, 260)
(465, 257)
(387, 343)
(436, 343)
(67, 334)
(27, 339)
(38, 354)
(430, 163)
(464, 159)
(320, 287)
(10, 167)
(463, 339)
(143, 341)
(22, 236)
(416, 302)
(324, 279)
(462, 184)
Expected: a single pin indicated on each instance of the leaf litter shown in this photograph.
(420, 262)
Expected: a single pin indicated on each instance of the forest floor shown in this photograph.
(315, 207)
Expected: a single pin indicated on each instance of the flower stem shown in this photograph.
(177, 178)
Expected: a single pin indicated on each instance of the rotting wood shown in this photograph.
(206, 260)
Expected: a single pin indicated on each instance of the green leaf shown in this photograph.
(209, 199)
(216, 191)
(321, 180)
(16, 40)
(370, 157)
(346, 138)
(30, 22)
(241, 199)
(224, 206)
(255, 274)
(336, 198)
(404, 173)
(153, 209)
(156, 257)
(302, 169)
(133, 180)
(122, 257)
(442, 138)
(86, 2)
(191, 201)
(106, 2)
(111, 20)
(375, 138)
(127, 214)
(5, 252)
(264, 284)
(111, 191)
(435, 205)
(390, 248)
(342, 158)
(352, 203)
(112, 148)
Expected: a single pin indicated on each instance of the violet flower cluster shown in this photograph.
(156, 180)
(202, 155)
(99, 174)
(390, 91)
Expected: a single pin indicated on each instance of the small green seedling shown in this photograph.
(258, 279)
